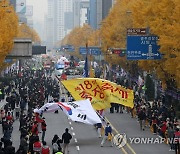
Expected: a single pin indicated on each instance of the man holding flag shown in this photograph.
(85, 70)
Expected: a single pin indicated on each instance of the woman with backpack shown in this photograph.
(56, 143)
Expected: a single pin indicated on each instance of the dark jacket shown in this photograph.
(10, 150)
(142, 115)
(66, 137)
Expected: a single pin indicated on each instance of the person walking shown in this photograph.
(37, 146)
(45, 148)
(176, 140)
(170, 133)
(43, 127)
(107, 132)
(142, 119)
(56, 143)
(66, 137)
(99, 127)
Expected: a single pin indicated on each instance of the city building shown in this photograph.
(84, 12)
(99, 9)
(21, 10)
(49, 24)
(59, 20)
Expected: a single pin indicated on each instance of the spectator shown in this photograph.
(43, 127)
(45, 148)
(35, 128)
(17, 110)
(23, 144)
(171, 137)
(9, 149)
(154, 124)
(1, 148)
(176, 140)
(37, 146)
(142, 119)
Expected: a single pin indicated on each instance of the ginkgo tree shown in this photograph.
(24, 31)
(79, 36)
(114, 30)
(8, 29)
(162, 17)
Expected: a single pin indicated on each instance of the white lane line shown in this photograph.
(77, 147)
(72, 128)
(73, 134)
(75, 140)
(70, 123)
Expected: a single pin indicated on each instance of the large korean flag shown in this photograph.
(81, 111)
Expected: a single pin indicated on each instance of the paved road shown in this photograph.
(123, 123)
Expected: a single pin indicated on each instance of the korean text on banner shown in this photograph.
(100, 92)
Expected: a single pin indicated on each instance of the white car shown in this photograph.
(58, 72)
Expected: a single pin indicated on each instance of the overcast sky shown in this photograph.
(39, 9)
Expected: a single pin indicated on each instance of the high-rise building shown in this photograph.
(84, 12)
(59, 19)
(49, 22)
(21, 10)
(63, 16)
(80, 12)
(99, 9)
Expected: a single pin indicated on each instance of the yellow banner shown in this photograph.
(100, 92)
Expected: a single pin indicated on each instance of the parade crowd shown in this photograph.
(27, 91)
(161, 120)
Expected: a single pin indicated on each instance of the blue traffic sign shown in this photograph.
(143, 48)
(91, 50)
(8, 60)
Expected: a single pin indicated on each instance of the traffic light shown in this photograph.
(120, 52)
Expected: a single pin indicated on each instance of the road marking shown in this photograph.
(72, 128)
(77, 147)
(75, 140)
(70, 123)
(124, 151)
(73, 134)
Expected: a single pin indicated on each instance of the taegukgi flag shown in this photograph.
(80, 111)
(100, 92)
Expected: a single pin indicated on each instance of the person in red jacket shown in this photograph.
(43, 128)
(163, 129)
(38, 118)
(63, 76)
(35, 128)
(37, 146)
(45, 148)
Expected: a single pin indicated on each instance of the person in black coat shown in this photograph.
(66, 137)
(10, 149)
